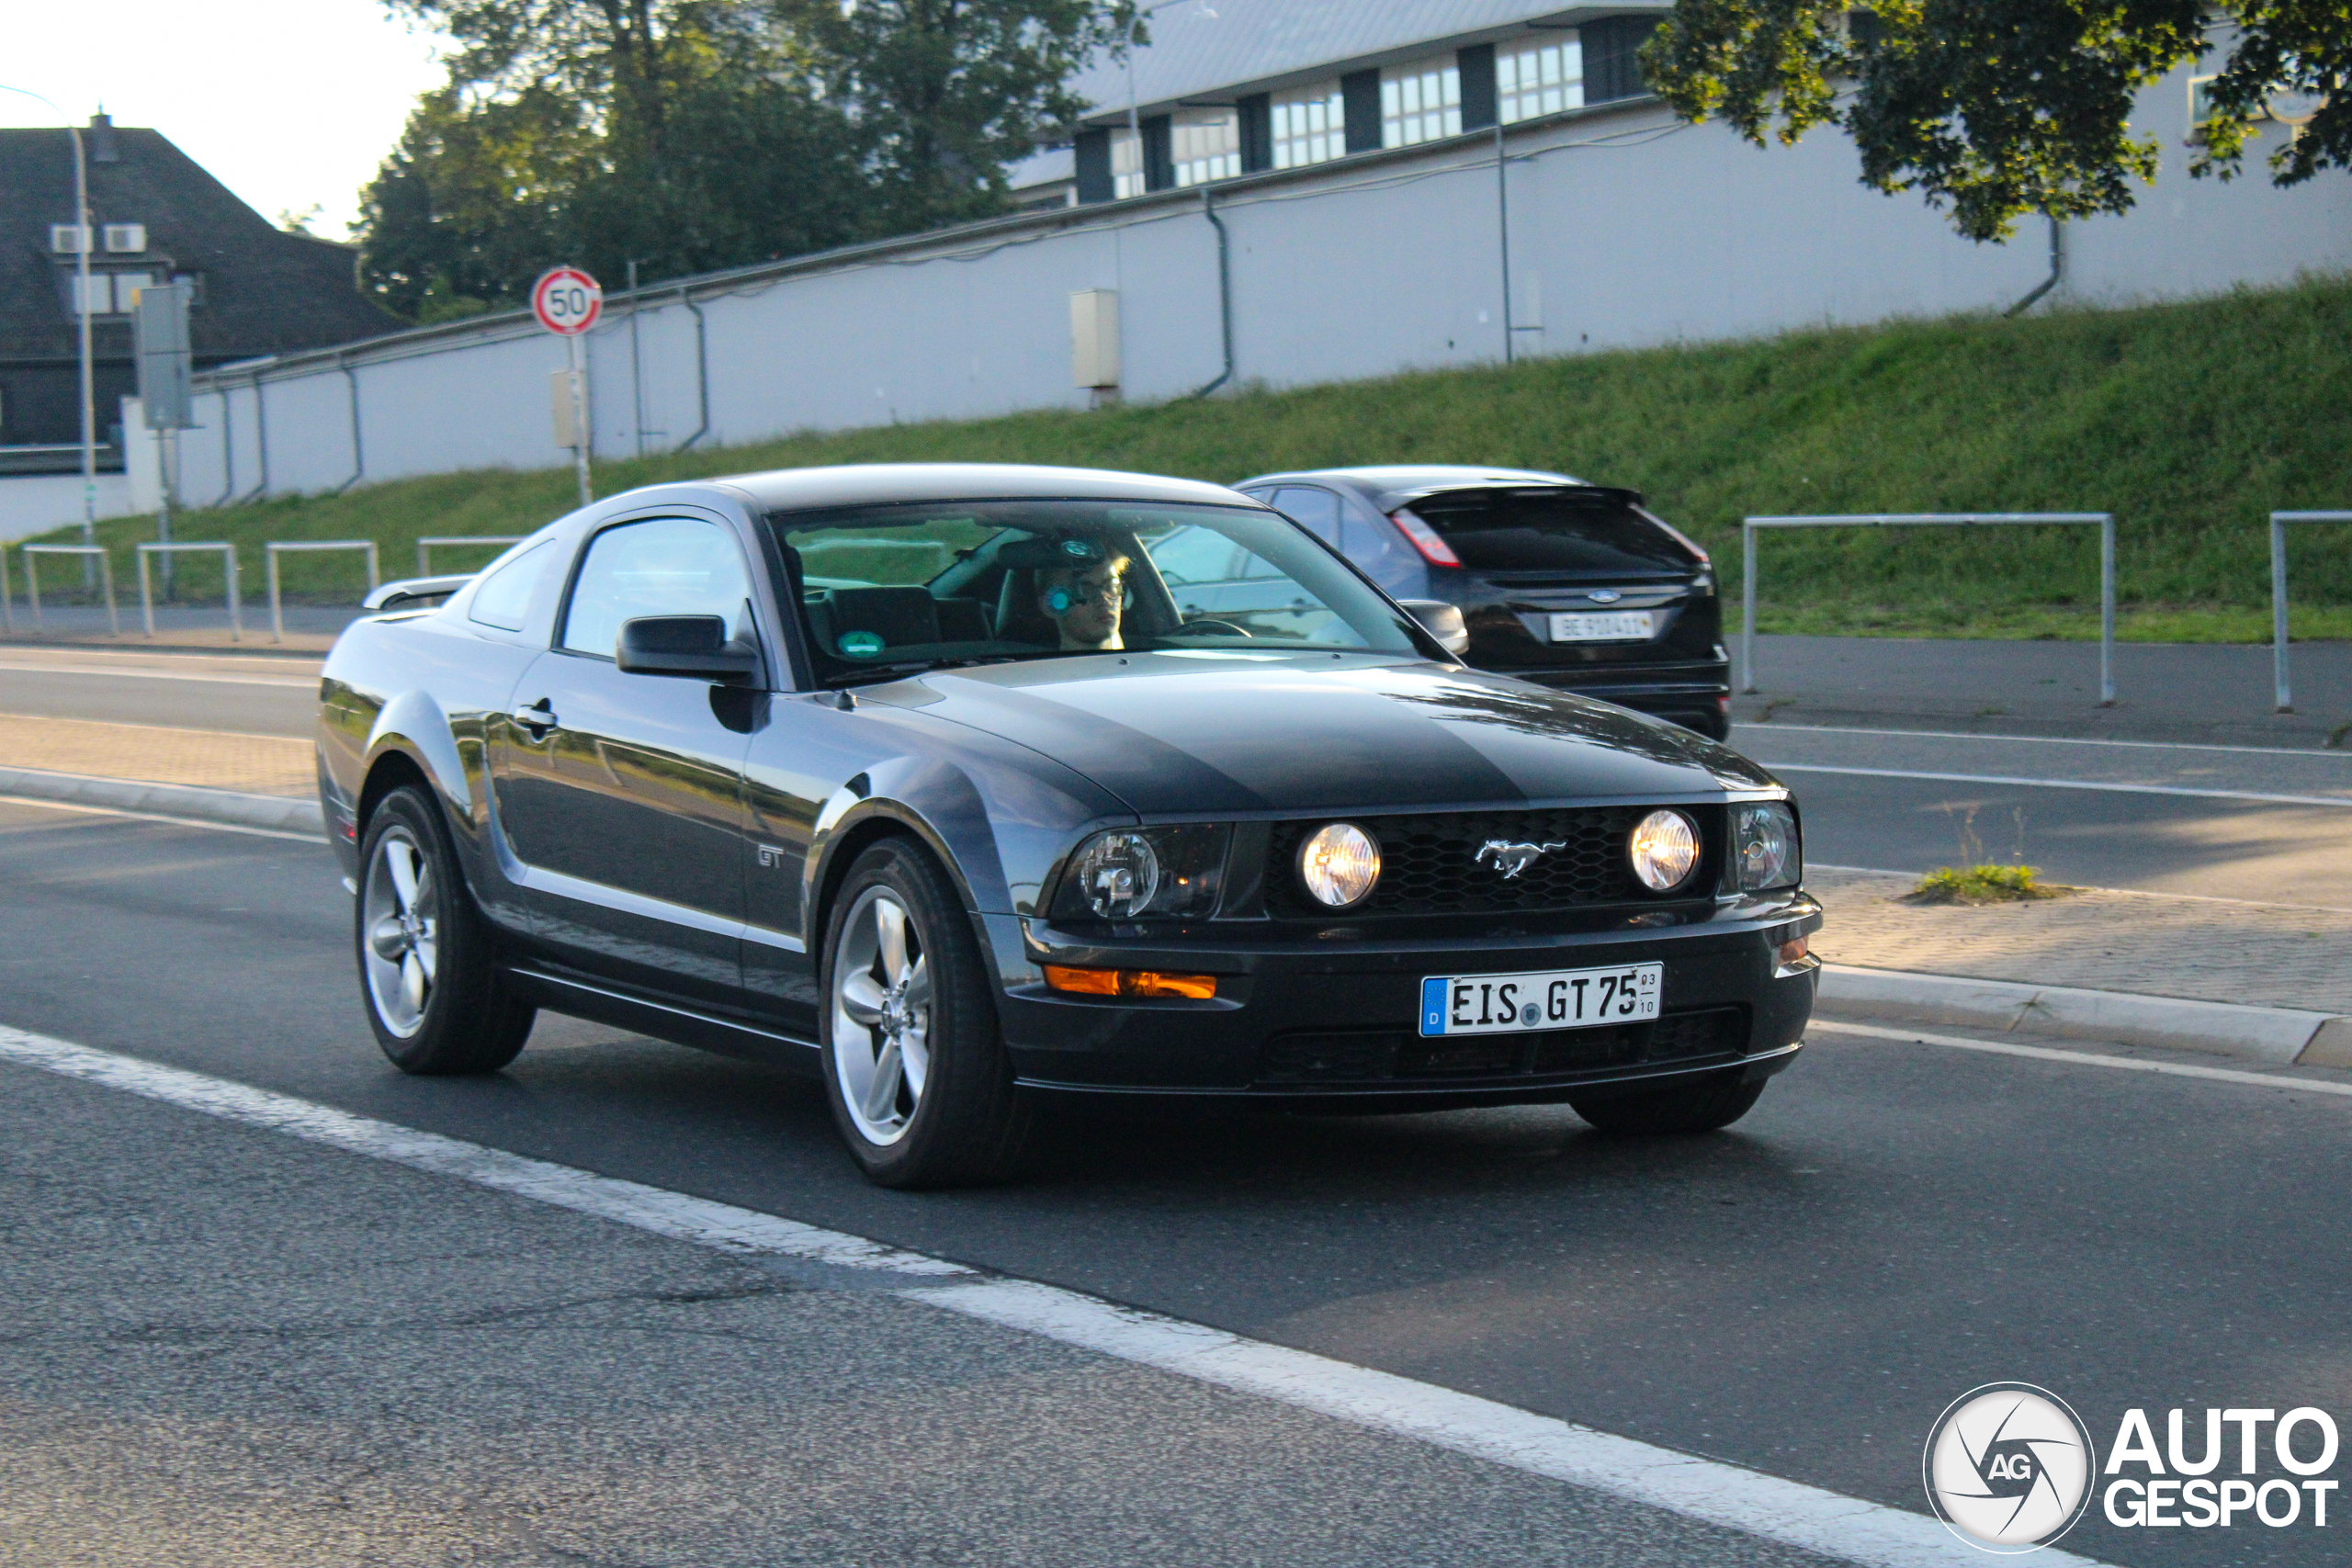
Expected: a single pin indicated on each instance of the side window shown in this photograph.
(1191, 554)
(504, 600)
(664, 566)
(1318, 510)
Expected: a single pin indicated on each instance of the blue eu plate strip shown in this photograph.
(1433, 1004)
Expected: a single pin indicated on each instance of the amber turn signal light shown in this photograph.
(1129, 983)
(1792, 951)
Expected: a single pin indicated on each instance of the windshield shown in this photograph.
(885, 589)
(1594, 532)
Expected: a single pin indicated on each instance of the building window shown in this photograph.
(1539, 76)
(1310, 126)
(1208, 145)
(1126, 163)
(1420, 101)
(111, 293)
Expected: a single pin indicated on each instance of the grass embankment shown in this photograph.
(2189, 423)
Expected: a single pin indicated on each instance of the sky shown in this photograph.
(289, 103)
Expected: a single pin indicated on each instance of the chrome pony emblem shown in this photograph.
(1511, 859)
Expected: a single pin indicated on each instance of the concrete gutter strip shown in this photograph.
(232, 807)
(2281, 1037)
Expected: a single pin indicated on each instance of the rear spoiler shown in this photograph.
(411, 592)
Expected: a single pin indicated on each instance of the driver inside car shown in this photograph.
(1084, 602)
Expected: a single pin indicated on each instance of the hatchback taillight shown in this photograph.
(1424, 538)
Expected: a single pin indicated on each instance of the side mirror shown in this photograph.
(694, 647)
(1441, 621)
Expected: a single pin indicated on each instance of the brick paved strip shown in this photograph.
(249, 764)
(2152, 944)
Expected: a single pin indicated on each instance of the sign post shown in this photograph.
(159, 331)
(568, 301)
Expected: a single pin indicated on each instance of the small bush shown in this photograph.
(1981, 885)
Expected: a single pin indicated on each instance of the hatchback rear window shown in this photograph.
(1580, 530)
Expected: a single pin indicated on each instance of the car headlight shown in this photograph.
(1134, 874)
(1339, 863)
(1665, 849)
(1765, 849)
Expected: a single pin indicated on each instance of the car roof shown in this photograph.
(1391, 486)
(866, 484)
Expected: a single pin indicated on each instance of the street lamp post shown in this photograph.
(84, 236)
(1135, 124)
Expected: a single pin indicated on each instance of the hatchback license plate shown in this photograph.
(1618, 626)
(1545, 998)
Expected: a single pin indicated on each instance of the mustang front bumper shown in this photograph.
(1333, 1015)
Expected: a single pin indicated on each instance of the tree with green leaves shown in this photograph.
(690, 135)
(1998, 109)
(946, 93)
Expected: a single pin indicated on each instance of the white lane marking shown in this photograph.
(2082, 1058)
(167, 821)
(2062, 783)
(2049, 740)
(1710, 1490)
(309, 683)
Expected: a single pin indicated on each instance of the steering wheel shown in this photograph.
(1209, 624)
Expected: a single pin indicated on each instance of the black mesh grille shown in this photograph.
(1377, 1055)
(1430, 865)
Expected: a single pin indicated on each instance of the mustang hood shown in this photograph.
(1188, 733)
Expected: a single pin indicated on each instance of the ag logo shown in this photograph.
(2008, 1467)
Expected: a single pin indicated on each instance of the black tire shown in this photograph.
(1703, 1107)
(964, 1122)
(469, 1019)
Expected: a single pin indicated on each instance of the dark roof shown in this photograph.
(872, 484)
(260, 289)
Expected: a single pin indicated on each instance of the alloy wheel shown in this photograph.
(882, 1016)
(402, 917)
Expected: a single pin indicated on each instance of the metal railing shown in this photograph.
(2105, 520)
(2278, 520)
(106, 575)
(228, 557)
(425, 546)
(276, 547)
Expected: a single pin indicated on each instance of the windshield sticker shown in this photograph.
(861, 645)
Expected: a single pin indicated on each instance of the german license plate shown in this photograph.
(1543, 999)
(1617, 625)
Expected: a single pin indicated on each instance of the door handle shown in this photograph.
(538, 717)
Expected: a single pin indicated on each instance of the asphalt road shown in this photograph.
(2221, 843)
(1895, 1223)
(245, 695)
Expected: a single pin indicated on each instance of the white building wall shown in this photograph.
(1626, 231)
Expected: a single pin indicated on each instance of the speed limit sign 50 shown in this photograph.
(567, 300)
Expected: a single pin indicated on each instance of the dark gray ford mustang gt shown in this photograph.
(948, 784)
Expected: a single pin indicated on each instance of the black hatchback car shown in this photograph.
(949, 784)
(1564, 583)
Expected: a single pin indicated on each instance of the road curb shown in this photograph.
(2281, 1037)
(232, 807)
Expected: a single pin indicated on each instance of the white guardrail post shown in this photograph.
(106, 576)
(229, 570)
(2105, 520)
(2278, 520)
(276, 547)
(425, 546)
